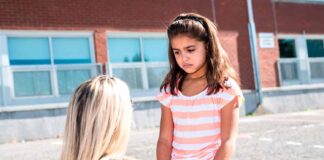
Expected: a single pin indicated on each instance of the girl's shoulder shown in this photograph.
(231, 86)
(232, 89)
(231, 83)
(164, 96)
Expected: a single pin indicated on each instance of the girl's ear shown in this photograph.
(207, 45)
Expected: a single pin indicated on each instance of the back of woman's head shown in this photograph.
(201, 29)
(98, 120)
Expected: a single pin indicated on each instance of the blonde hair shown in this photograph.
(98, 120)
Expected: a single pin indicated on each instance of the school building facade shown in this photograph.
(47, 48)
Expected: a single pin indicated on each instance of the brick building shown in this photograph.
(47, 48)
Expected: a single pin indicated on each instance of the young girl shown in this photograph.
(199, 96)
(98, 121)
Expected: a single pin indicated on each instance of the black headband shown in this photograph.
(190, 17)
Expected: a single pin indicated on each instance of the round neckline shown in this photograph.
(196, 95)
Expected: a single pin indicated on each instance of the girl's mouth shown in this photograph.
(187, 65)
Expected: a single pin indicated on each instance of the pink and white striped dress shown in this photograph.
(196, 119)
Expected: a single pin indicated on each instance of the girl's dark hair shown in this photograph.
(218, 66)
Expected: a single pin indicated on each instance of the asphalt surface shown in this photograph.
(289, 136)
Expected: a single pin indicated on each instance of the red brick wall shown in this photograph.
(296, 18)
(100, 44)
(232, 21)
(109, 14)
(268, 57)
(129, 15)
(290, 18)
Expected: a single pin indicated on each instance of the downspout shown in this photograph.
(254, 52)
(1, 84)
(2, 51)
(213, 10)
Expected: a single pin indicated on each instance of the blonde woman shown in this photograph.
(98, 121)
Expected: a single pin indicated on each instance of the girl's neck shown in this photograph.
(195, 77)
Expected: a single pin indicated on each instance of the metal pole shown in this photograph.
(2, 88)
(255, 59)
(213, 10)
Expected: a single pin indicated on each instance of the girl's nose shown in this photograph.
(185, 56)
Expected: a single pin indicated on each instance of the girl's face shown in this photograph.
(190, 54)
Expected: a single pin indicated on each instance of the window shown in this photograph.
(33, 83)
(301, 59)
(141, 61)
(71, 50)
(28, 51)
(124, 50)
(289, 71)
(287, 48)
(46, 65)
(68, 80)
(315, 47)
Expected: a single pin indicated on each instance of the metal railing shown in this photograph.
(300, 71)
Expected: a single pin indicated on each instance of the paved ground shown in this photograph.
(293, 136)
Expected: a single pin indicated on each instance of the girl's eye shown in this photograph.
(191, 50)
(175, 52)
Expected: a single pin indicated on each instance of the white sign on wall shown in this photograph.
(266, 40)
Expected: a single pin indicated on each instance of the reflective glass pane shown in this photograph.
(315, 48)
(71, 50)
(156, 76)
(124, 50)
(155, 49)
(43, 83)
(69, 80)
(132, 76)
(33, 83)
(28, 51)
(317, 70)
(289, 71)
(287, 48)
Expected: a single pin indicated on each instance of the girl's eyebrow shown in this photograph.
(190, 46)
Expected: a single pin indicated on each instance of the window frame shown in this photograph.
(52, 68)
(301, 1)
(303, 61)
(142, 65)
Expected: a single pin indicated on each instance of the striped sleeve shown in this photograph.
(164, 98)
(234, 91)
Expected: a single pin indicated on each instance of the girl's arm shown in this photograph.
(164, 144)
(229, 129)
